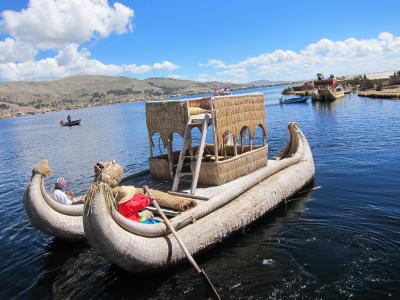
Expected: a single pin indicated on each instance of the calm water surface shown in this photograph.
(338, 238)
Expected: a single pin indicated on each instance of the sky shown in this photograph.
(237, 41)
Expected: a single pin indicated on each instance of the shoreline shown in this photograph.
(393, 93)
(33, 111)
(22, 111)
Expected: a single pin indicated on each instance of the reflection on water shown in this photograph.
(338, 238)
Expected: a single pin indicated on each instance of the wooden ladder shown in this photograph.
(193, 121)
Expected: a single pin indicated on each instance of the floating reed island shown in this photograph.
(387, 93)
(228, 185)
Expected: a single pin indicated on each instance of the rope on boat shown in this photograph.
(94, 189)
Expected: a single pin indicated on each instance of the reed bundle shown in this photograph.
(42, 168)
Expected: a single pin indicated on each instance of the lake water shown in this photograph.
(338, 238)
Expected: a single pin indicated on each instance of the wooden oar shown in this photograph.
(187, 253)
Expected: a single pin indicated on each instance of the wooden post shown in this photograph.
(151, 146)
(171, 157)
(214, 132)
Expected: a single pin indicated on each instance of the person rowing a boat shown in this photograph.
(66, 198)
(69, 118)
(130, 201)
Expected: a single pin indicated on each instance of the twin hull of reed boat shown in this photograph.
(50, 216)
(139, 247)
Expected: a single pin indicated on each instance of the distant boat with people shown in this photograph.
(70, 123)
(294, 100)
(221, 91)
(328, 89)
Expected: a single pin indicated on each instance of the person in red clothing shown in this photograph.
(130, 201)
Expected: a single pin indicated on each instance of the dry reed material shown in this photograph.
(108, 172)
(232, 113)
(220, 172)
(386, 93)
(93, 190)
(42, 168)
(50, 216)
(171, 201)
(204, 103)
(159, 167)
(196, 111)
(166, 117)
(164, 199)
(203, 226)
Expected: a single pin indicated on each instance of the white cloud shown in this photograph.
(12, 50)
(216, 63)
(63, 25)
(71, 61)
(350, 56)
(49, 24)
(165, 65)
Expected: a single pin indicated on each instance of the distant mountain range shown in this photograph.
(29, 97)
(91, 90)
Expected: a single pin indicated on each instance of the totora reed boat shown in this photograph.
(231, 184)
(328, 89)
(48, 215)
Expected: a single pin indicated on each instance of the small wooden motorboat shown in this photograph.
(294, 100)
(70, 123)
(236, 187)
(47, 214)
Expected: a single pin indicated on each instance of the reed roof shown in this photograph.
(231, 114)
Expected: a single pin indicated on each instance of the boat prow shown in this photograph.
(138, 247)
(48, 215)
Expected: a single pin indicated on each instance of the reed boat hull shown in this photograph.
(329, 95)
(139, 247)
(49, 216)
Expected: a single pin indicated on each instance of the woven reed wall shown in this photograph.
(232, 113)
(220, 172)
(204, 103)
(166, 117)
(159, 168)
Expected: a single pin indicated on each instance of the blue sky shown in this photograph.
(199, 40)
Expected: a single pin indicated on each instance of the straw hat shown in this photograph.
(124, 193)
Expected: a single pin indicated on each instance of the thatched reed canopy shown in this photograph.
(237, 112)
(231, 114)
(170, 116)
